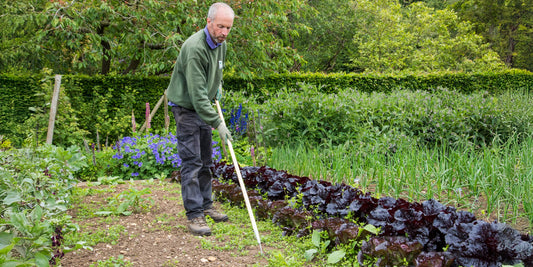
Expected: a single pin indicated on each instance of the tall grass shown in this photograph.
(494, 181)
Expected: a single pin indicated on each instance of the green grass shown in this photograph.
(283, 250)
(494, 181)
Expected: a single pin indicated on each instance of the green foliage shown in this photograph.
(99, 164)
(345, 254)
(427, 118)
(506, 25)
(392, 38)
(142, 37)
(264, 88)
(321, 246)
(19, 93)
(128, 202)
(324, 42)
(105, 105)
(120, 37)
(35, 186)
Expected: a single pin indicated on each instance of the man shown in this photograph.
(195, 83)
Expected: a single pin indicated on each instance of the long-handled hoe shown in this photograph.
(241, 183)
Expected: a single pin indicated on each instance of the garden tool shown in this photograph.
(241, 183)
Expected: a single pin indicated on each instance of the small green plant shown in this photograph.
(345, 252)
(131, 198)
(109, 180)
(321, 246)
(119, 261)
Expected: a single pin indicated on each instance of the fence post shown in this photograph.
(167, 118)
(53, 110)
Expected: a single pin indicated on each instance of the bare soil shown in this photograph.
(156, 237)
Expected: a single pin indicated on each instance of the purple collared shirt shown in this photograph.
(210, 42)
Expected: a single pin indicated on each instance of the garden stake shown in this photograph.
(241, 183)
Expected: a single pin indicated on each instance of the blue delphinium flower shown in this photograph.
(238, 121)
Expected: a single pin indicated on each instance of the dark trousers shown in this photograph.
(195, 149)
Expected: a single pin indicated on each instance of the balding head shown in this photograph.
(219, 21)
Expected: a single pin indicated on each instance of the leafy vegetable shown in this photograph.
(427, 233)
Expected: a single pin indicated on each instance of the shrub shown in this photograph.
(426, 117)
(35, 185)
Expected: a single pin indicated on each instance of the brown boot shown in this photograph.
(198, 226)
(215, 215)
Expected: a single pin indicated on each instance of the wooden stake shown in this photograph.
(167, 118)
(53, 110)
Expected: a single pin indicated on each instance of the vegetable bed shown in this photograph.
(411, 233)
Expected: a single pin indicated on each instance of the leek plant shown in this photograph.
(493, 180)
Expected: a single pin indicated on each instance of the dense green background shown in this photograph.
(104, 104)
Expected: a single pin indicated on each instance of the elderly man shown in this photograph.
(195, 83)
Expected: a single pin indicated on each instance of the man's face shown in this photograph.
(220, 26)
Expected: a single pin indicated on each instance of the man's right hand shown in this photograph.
(224, 133)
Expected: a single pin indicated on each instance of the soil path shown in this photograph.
(156, 237)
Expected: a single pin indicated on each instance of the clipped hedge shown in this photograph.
(330, 83)
(105, 103)
(17, 95)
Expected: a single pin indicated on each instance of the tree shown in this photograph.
(506, 24)
(138, 36)
(393, 38)
(324, 42)
(19, 21)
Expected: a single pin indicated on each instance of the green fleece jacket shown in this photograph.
(197, 76)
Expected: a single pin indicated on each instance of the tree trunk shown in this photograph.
(106, 49)
(106, 57)
(511, 46)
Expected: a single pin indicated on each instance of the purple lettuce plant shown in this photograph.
(411, 233)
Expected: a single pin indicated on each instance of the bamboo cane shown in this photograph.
(241, 183)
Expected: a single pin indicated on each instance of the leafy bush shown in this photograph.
(35, 186)
(427, 118)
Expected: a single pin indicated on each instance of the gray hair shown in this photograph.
(212, 13)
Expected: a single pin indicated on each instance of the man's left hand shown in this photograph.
(219, 93)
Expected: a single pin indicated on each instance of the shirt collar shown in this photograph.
(209, 41)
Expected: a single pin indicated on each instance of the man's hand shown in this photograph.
(219, 93)
(224, 133)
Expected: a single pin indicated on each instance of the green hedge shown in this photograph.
(263, 87)
(17, 95)
(105, 103)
